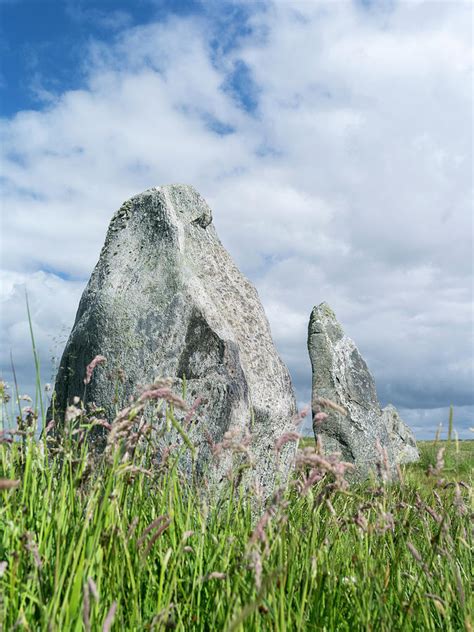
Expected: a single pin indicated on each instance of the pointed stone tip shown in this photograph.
(323, 310)
(185, 198)
(178, 186)
(170, 186)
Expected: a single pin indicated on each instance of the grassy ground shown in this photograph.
(458, 459)
(119, 544)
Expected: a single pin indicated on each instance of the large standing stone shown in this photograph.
(166, 299)
(341, 375)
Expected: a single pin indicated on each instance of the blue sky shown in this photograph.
(333, 141)
(43, 40)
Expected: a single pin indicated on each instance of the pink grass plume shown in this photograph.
(109, 619)
(99, 359)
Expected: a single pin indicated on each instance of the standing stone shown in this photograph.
(166, 299)
(401, 435)
(341, 375)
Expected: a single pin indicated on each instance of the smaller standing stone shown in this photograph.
(360, 428)
(401, 435)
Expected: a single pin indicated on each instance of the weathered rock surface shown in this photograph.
(341, 375)
(401, 435)
(166, 299)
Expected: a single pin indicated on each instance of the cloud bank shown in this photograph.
(333, 142)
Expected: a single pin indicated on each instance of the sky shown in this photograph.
(333, 141)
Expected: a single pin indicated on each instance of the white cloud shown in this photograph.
(52, 302)
(350, 183)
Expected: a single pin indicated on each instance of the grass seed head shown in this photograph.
(109, 619)
(329, 404)
(99, 359)
(6, 483)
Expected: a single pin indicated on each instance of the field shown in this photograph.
(116, 543)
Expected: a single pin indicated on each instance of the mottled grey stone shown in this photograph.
(166, 299)
(341, 375)
(403, 439)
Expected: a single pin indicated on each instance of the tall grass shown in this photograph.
(119, 542)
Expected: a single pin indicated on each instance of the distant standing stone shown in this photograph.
(166, 299)
(403, 439)
(341, 375)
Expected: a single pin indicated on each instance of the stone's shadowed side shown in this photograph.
(341, 375)
(166, 299)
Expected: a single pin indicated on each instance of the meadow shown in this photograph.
(116, 542)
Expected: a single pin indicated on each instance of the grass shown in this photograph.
(458, 457)
(117, 543)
